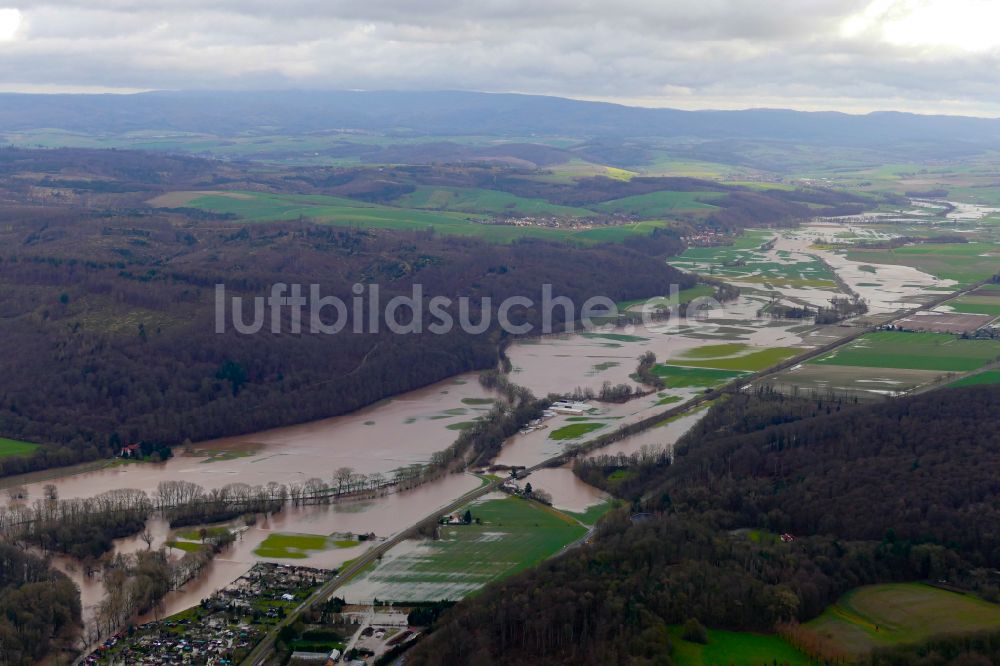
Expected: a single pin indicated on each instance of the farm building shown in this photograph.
(570, 407)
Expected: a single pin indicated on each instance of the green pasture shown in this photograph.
(965, 263)
(980, 379)
(478, 200)
(660, 204)
(263, 207)
(915, 351)
(735, 648)
(575, 430)
(901, 613)
(684, 377)
(513, 534)
(12, 447)
(281, 545)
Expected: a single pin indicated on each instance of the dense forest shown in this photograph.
(110, 323)
(39, 607)
(903, 490)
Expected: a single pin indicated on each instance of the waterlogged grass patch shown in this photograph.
(280, 545)
(715, 351)
(212, 456)
(752, 362)
(478, 401)
(207, 532)
(575, 430)
(617, 337)
(511, 535)
(186, 546)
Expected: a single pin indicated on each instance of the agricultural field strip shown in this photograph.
(258, 656)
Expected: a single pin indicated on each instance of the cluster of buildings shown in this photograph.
(569, 407)
(557, 222)
(223, 629)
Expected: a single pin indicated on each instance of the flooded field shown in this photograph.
(384, 517)
(886, 288)
(509, 534)
(568, 492)
(408, 429)
(385, 436)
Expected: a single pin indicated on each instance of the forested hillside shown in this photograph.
(109, 322)
(904, 490)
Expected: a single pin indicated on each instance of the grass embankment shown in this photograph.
(735, 356)
(684, 377)
(476, 206)
(965, 263)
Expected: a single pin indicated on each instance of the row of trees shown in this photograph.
(478, 444)
(39, 607)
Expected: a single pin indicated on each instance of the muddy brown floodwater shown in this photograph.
(405, 430)
(380, 438)
(567, 490)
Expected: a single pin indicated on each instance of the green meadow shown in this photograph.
(972, 304)
(575, 430)
(264, 207)
(735, 357)
(684, 377)
(513, 534)
(617, 337)
(683, 296)
(477, 200)
(298, 546)
(734, 648)
(12, 447)
(745, 261)
(186, 546)
(980, 379)
(965, 263)
(901, 613)
(914, 351)
(660, 204)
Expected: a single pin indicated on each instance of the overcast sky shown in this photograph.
(851, 55)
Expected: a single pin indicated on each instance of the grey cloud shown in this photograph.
(668, 52)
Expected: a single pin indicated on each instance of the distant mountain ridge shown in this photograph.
(462, 113)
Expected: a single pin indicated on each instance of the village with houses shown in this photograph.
(225, 627)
